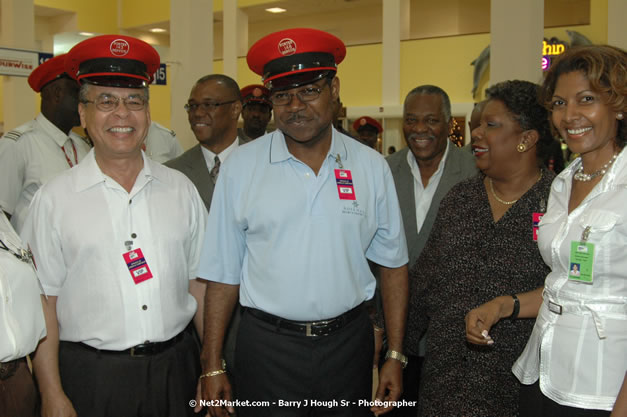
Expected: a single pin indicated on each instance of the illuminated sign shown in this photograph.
(550, 50)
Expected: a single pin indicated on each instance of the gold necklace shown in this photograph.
(507, 203)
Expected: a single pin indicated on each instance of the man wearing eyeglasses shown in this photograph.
(296, 214)
(213, 108)
(116, 241)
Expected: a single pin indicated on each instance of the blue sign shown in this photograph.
(160, 77)
(43, 57)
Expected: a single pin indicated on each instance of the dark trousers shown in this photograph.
(276, 365)
(101, 384)
(18, 394)
(533, 403)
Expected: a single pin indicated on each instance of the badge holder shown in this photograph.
(581, 259)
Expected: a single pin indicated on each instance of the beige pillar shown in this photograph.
(234, 36)
(395, 28)
(18, 31)
(516, 32)
(616, 26)
(191, 57)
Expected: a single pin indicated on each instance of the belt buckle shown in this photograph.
(555, 308)
(134, 354)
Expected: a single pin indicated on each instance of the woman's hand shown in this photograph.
(480, 320)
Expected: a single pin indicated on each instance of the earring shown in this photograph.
(619, 116)
(521, 147)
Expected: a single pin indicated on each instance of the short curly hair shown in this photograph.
(521, 100)
(605, 67)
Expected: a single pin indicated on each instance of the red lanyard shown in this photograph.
(67, 158)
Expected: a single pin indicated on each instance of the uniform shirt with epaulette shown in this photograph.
(162, 144)
(30, 155)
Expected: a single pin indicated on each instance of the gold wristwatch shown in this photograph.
(392, 354)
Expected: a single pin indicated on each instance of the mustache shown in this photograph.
(295, 118)
(418, 136)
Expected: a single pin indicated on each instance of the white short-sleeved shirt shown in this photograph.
(580, 355)
(78, 228)
(21, 317)
(282, 232)
(31, 155)
(162, 144)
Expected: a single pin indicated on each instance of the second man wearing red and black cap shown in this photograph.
(295, 217)
(256, 112)
(36, 151)
(368, 131)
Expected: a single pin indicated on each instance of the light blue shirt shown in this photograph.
(283, 234)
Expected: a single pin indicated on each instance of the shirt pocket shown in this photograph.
(601, 223)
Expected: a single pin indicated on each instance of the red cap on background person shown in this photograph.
(255, 93)
(47, 72)
(113, 60)
(294, 57)
(367, 121)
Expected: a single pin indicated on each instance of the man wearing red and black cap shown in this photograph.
(295, 217)
(368, 130)
(116, 241)
(36, 151)
(256, 111)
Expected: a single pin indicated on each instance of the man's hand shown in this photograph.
(57, 406)
(390, 385)
(216, 388)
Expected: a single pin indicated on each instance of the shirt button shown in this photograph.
(307, 174)
(133, 235)
(144, 307)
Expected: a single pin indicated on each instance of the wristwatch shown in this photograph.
(392, 354)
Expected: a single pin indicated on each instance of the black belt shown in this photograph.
(7, 369)
(144, 349)
(308, 328)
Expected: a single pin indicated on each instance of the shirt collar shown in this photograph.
(615, 176)
(51, 130)
(279, 151)
(87, 173)
(210, 156)
(413, 164)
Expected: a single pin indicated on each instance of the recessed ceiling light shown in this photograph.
(85, 33)
(158, 30)
(276, 10)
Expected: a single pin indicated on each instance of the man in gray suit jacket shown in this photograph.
(213, 108)
(423, 173)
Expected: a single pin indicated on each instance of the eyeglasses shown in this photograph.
(108, 103)
(207, 107)
(304, 95)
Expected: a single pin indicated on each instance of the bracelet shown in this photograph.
(377, 328)
(215, 373)
(514, 315)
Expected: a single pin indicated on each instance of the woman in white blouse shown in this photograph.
(576, 358)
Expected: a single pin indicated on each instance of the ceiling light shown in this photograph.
(276, 10)
(158, 30)
(85, 33)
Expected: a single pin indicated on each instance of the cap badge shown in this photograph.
(257, 92)
(287, 46)
(119, 47)
(363, 121)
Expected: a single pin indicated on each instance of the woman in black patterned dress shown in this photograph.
(483, 245)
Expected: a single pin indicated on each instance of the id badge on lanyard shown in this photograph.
(344, 181)
(581, 259)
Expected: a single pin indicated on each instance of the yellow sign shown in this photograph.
(552, 48)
